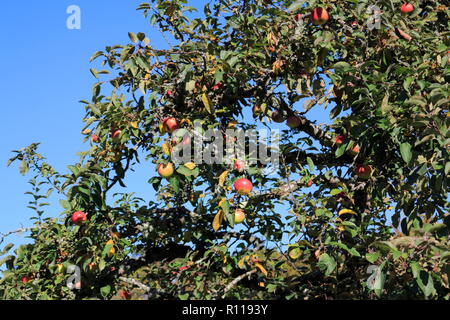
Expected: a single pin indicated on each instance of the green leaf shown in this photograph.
(175, 183)
(23, 167)
(341, 66)
(105, 291)
(310, 163)
(372, 257)
(327, 264)
(65, 204)
(133, 37)
(405, 150)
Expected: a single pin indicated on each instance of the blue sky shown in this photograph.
(45, 73)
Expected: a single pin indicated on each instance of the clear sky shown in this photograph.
(45, 72)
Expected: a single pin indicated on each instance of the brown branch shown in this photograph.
(237, 280)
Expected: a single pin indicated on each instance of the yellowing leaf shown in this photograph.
(344, 211)
(242, 261)
(183, 121)
(232, 124)
(190, 165)
(222, 178)
(166, 148)
(134, 124)
(218, 220)
(261, 268)
(207, 102)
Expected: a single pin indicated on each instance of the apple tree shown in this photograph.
(357, 208)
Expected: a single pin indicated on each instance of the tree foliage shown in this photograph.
(347, 236)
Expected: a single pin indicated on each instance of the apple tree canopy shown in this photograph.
(357, 209)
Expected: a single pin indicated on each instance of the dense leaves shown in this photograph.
(321, 227)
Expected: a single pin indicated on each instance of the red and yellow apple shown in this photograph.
(166, 170)
(239, 165)
(239, 216)
(407, 7)
(94, 138)
(116, 134)
(363, 171)
(319, 16)
(170, 124)
(243, 186)
(354, 151)
(340, 139)
(277, 116)
(78, 218)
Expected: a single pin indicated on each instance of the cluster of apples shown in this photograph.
(169, 125)
(292, 121)
(362, 171)
(320, 16)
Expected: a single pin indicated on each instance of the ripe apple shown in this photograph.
(170, 124)
(166, 170)
(170, 93)
(310, 182)
(354, 151)
(116, 134)
(363, 171)
(293, 122)
(243, 186)
(217, 86)
(25, 279)
(340, 139)
(298, 17)
(239, 165)
(239, 216)
(94, 138)
(277, 116)
(319, 16)
(125, 294)
(78, 218)
(407, 8)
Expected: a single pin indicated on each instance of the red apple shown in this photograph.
(217, 86)
(363, 171)
(166, 170)
(116, 134)
(170, 124)
(298, 17)
(94, 138)
(25, 279)
(125, 294)
(319, 16)
(293, 122)
(355, 150)
(340, 139)
(239, 216)
(243, 186)
(310, 182)
(184, 268)
(239, 165)
(78, 218)
(277, 116)
(407, 8)
(170, 93)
